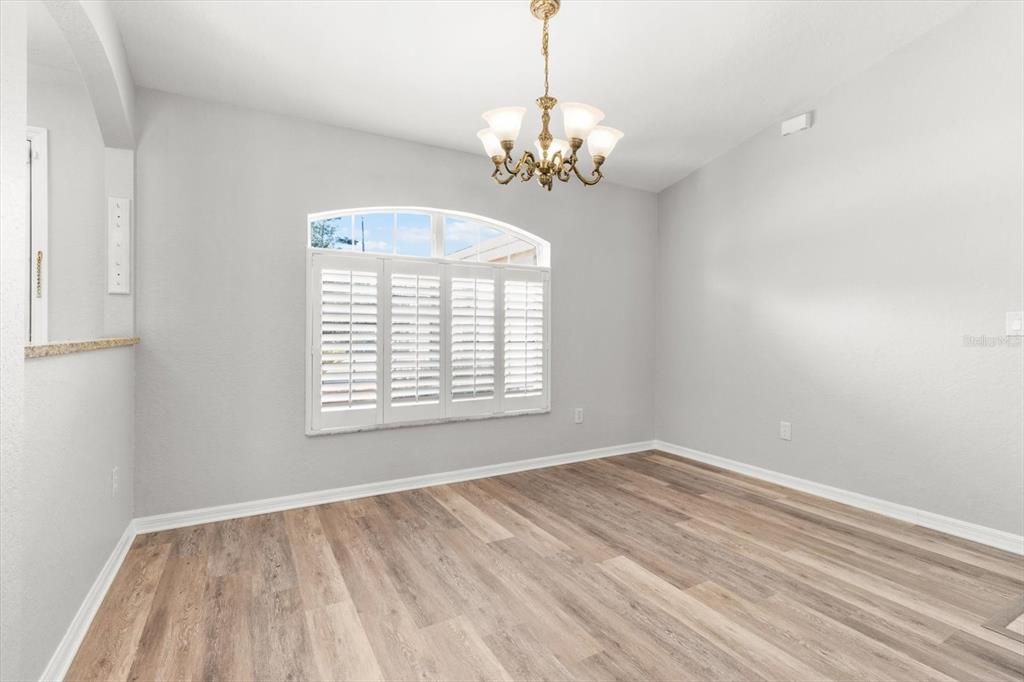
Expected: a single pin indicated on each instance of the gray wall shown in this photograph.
(18, 652)
(222, 198)
(79, 414)
(65, 421)
(58, 101)
(828, 279)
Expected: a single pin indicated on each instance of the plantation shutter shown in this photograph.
(473, 350)
(525, 340)
(346, 320)
(414, 341)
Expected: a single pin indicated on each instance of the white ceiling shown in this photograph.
(686, 81)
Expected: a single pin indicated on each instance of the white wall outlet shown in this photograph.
(119, 246)
(114, 482)
(577, 415)
(785, 431)
(1015, 324)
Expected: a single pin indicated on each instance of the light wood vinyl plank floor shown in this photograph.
(643, 566)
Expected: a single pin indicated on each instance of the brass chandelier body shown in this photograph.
(550, 163)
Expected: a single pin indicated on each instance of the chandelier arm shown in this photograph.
(564, 166)
(526, 160)
(499, 178)
(596, 173)
(509, 169)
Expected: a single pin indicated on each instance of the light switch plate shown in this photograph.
(1015, 324)
(119, 245)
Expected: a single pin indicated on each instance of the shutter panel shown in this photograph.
(473, 357)
(525, 340)
(347, 339)
(414, 342)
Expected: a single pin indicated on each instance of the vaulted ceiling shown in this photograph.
(686, 81)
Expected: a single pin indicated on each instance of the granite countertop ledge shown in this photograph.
(45, 350)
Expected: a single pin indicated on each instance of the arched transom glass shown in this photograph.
(426, 233)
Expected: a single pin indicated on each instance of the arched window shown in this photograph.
(426, 233)
(419, 315)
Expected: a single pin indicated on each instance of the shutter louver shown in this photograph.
(472, 338)
(524, 338)
(415, 339)
(348, 340)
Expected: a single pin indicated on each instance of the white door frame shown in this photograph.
(38, 236)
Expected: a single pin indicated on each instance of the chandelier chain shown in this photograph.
(544, 51)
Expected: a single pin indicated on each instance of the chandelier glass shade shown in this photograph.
(555, 158)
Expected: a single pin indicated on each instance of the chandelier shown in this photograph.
(555, 158)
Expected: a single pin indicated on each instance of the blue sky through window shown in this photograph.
(375, 232)
(459, 234)
(487, 233)
(414, 237)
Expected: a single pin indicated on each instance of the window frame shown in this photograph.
(384, 264)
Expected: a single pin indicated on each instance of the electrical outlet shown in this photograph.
(577, 415)
(114, 481)
(785, 431)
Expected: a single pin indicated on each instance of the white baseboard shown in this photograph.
(59, 663)
(149, 524)
(962, 529)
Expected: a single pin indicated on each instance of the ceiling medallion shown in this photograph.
(556, 158)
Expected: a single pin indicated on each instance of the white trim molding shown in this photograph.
(149, 524)
(38, 251)
(59, 663)
(962, 529)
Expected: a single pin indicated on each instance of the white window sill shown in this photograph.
(426, 422)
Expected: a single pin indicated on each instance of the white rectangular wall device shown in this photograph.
(797, 123)
(119, 245)
(1015, 324)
